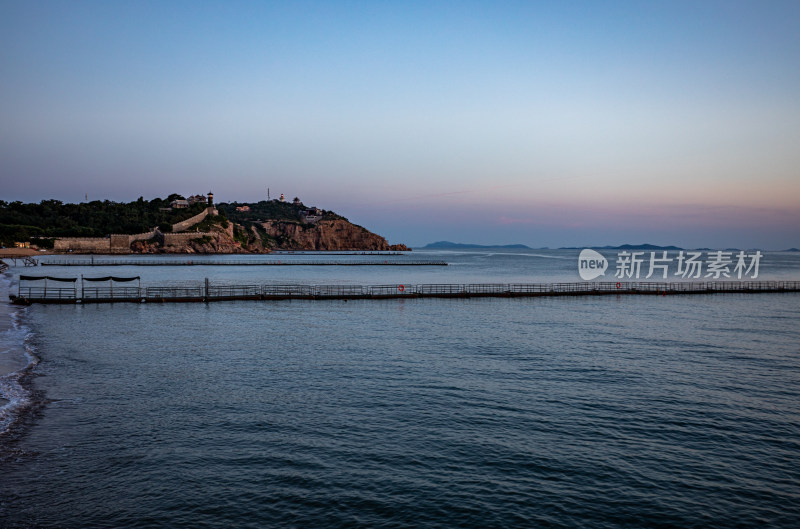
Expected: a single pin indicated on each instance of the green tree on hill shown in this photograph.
(53, 218)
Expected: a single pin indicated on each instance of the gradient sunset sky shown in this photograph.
(543, 123)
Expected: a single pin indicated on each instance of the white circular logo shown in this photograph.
(591, 264)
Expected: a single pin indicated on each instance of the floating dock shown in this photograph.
(207, 292)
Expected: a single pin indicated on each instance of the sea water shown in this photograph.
(537, 412)
(16, 362)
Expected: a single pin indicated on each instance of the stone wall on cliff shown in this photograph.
(119, 243)
(188, 223)
(143, 236)
(114, 243)
(83, 244)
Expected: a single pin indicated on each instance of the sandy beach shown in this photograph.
(21, 252)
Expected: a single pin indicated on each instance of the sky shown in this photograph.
(540, 123)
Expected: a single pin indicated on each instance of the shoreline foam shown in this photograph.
(17, 361)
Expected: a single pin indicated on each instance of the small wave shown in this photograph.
(17, 398)
(16, 395)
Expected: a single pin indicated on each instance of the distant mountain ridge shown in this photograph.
(447, 245)
(625, 247)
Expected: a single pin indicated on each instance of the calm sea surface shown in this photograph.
(677, 411)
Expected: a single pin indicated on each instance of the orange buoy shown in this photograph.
(619, 285)
(401, 288)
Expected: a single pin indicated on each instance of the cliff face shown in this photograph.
(218, 240)
(325, 235)
(285, 235)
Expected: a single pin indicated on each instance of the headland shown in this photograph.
(193, 225)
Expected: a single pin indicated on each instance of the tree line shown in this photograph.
(53, 218)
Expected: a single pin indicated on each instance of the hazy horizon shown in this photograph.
(488, 123)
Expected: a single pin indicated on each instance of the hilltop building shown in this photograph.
(311, 215)
(194, 199)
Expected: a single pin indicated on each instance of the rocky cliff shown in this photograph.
(227, 237)
(326, 235)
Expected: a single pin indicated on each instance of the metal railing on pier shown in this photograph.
(213, 292)
(287, 291)
(112, 293)
(49, 295)
(173, 293)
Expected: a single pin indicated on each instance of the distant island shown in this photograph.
(182, 225)
(654, 247)
(447, 245)
(625, 247)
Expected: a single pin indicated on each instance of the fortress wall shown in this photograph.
(114, 243)
(188, 223)
(120, 243)
(83, 244)
(141, 236)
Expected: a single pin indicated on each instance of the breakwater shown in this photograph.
(30, 292)
(204, 262)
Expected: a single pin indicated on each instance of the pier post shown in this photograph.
(206, 294)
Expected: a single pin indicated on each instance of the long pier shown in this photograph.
(207, 292)
(205, 262)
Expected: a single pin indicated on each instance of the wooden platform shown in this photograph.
(25, 260)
